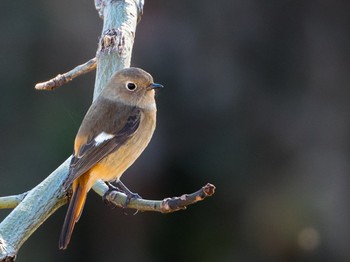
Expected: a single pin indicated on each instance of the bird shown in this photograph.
(114, 132)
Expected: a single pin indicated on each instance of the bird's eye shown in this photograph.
(131, 86)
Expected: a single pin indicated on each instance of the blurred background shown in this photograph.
(256, 102)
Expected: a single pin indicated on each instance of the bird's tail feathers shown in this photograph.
(73, 214)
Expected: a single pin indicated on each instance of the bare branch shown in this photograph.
(68, 76)
(11, 201)
(166, 205)
(34, 209)
(117, 198)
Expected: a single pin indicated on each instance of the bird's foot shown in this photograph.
(129, 197)
(120, 187)
(110, 189)
(129, 194)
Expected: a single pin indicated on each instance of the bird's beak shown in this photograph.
(155, 86)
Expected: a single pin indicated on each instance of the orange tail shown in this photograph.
(74, 211)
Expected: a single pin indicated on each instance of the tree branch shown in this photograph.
(118, 199)
(117, 38)
(35, 208)
(68, 76)
(167, 205)
(11, 201)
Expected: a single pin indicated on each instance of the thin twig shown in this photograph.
(166, 205)
(68, 76)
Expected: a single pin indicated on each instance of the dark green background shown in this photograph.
(256, 102)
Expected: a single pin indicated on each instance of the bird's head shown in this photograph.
(132, 86)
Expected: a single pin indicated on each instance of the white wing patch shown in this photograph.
(103, 137)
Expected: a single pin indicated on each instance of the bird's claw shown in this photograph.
(129, 197)
(110, 189)
(122, 189)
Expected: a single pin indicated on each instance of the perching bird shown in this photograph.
(116, 129)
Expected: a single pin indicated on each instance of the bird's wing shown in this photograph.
(102, 144)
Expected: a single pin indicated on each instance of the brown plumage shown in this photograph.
(116, 129)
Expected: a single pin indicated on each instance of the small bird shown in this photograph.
(116, 129)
